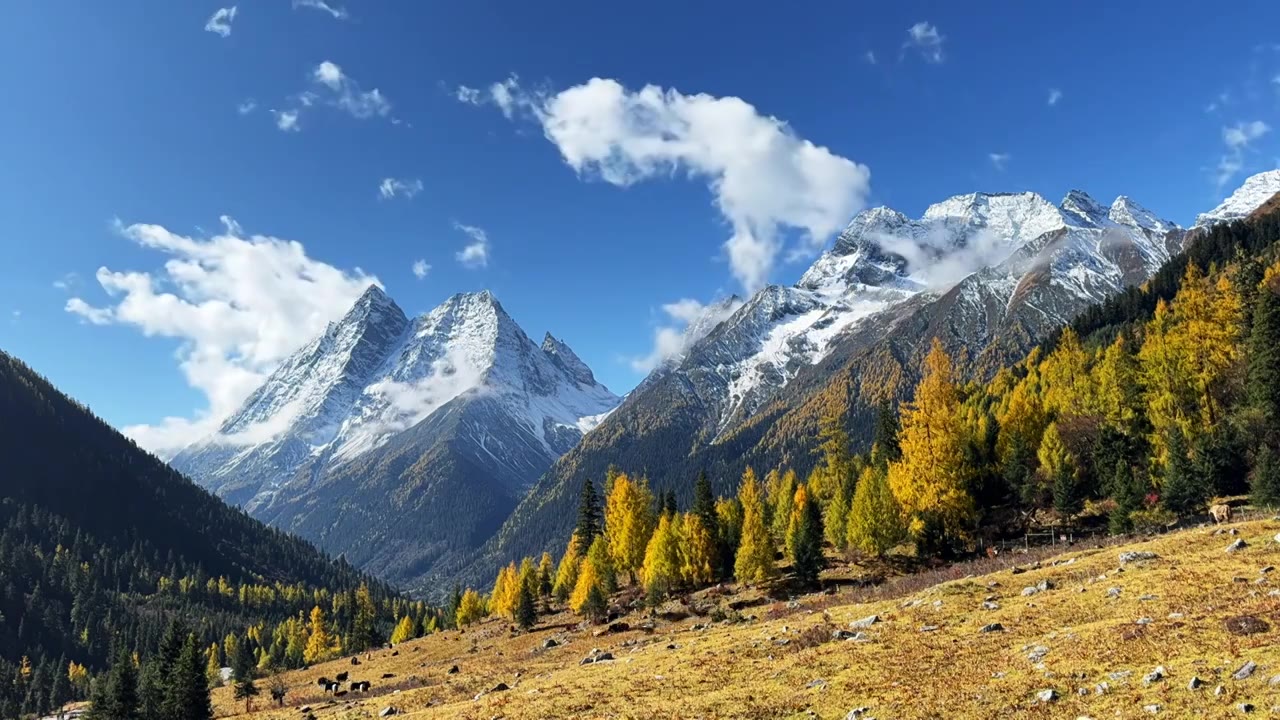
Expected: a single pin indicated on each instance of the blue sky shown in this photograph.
(132, 127)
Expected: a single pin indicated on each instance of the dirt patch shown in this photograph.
(1246, 625)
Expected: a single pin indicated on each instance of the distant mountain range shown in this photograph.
(433, 449)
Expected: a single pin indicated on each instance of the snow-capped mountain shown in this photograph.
(379, 400)
(1255, 191)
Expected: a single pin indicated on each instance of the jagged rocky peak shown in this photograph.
(1080, 207)
(567, 359)
(1255, 191)
(1125, 211)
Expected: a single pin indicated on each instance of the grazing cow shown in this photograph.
(339, 693)
(277, 694)
(340, 677)
(355, 660)
(324, 682)
(1221, 513)
(388, 676)
(361, 686)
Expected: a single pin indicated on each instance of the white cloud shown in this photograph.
(247, 106)
(237, 304)
(1238, 139)
(468, 95)
(408, 403)
(286, 120)
(391, 187)
(476, 253)
(999, 160)
(420, 269)
(68, 281)
(690, 321)
(765, 178)
(338, 13)
(934, 259)
(870, 57)
(347, 94)
(925, 38)
(1054, 96)
(220, 22)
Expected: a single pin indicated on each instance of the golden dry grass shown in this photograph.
(739, 669)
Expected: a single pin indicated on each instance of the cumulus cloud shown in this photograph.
(926, 39)
(334, 11)
(410, 402)
(933, 259)
(476, 253)
(1238, 139)
(220, 22)
(766, 180)
(468, 95)
(999, 160)
(238, 304)
(391, 187)
(688, 321)
(286, 120)
(420, 269)
(1054, 96)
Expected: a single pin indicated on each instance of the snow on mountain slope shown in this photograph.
(1255, 191)
(376, 374)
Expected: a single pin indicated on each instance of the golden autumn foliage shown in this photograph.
(628, 522)
(754, 562)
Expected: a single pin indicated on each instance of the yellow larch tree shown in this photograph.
(321, 645)
(1117, 381)
(1068, 389)
(661, 572)
(628, 522)
(471, 609)
(567, 571)
(930, 479)
(754, 561)
(697, 550)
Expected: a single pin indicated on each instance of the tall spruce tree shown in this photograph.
(1184, 491)
(115, 697)
(590, 519)
(1264, 484)
(187, 693)
(526, 612)
(804, 538)
(1264, 353)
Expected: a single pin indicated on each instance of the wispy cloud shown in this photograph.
(468, 95)
(331, 86)
(476, 253)
(391, 187)
(687, 322)
(237, 304)
(765, 178)
(337, 12)
(220, 22)
(1238, 138)
(420, 269)
(286, 120)
(925, 38)
(247, 106)
(870, 57)
(1054, 96)
(999, 160)
(68, 281)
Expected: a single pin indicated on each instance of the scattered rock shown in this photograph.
(549, 643)
(1237, 546)
(1219, 691)
(1144, 621)
(1246, 625)
(992, 627)
(1137, 555)
(1030, 590)
(500, 687)
(1015, 570)
(453, 670)
(1154, 709)
(305, 709)
(1147, 598)
(1245, 671)
(1047, 696)
(842, 634)
(1101, 688)
(928, 628)
(1045, 584)
(1113, 592)
(1154, 676)
(818, 683)
(1037, 653)
(857, 713)
(1268, 569)
(859, 637)
(671, 646)
(990, 605)
(1245, 707)
(1274, 682)
(1277, 538)
(1196, 683)
(388, 712)
(865, 622)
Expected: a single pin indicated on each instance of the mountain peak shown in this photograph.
(1080, 206)
(1125, 211)
(567, 359)
(1255, 191)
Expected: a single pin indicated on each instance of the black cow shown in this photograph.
(339, 693)
(341, 677)
(324, 682)
(360, 686)
(355, 660)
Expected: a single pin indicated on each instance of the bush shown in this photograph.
(1152, 520)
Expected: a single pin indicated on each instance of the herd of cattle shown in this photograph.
(335, 686)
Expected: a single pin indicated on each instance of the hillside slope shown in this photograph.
(1091, 636)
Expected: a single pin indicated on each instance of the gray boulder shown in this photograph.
(1245, 671)
(1129, 556)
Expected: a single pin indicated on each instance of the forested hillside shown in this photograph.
(104, 549)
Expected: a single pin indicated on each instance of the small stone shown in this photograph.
(1268, 569)
(1037, 653)
(1113, 592)
(1277, 538)
(992, 627)
(818, 683)
(1120, 675)
(453, 670)
(1245, 671)
(857, 713)
(928, 628)
(549, 643)
(865, 622)
(1144, 621)
(1154, 676)
(1044, 585)
(1195, 684)
(1047, 696)
(1153, 708)
(388, 712)
(841, 635)
(990, 605)
(859, 637)
(1030, 590)
(1015, 570)
(1245, 707)
(1101, 688)
(1274, 682)
(500, 687)
(1137, 555)
(1147, 598)
(1219, 691)
(1175, 616)
(1237, 546)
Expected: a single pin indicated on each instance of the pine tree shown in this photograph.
(837, 461)
(1264, 483)
(704, 506)
(804, 538)
(187, 694)
(363, 631)
(884, 447)
(661, 571)
(589, 519)
(404, 631)
(116, 697)
(1264, 350)
(546, 575)
(526, 613)
(875, 516)
(1184, 493)
(1068, 496)
(1118, 388)
(506, 592)
(595, 606)
(729, 524)
(606, 573)
(930, 480)
(781, 490)
(628, 522)
(754, 561)
(1128, 495)
(1068, 389)
(835, 518)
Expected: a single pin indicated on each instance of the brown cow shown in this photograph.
(1221, 513)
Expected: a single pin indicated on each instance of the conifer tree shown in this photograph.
(884, 447)
(506, 591)
(704, 506)
(595, 606)
(804, 537)
(242, 675)
(213, 665)
(875, 517)
(602, 562)
(628, 522)
(835, 519)
(754, 561)
(930, 480)
(546, 575)
(1264, 483)
(321, 645)
(567, 571)
(404, 631)
(1184, 492)
(661, 571)
(595, 581)
(363, 630)
(526, 614)
(470, 609)
(699, 551)
(837, 461)
(1264, 349)
(116, 696)
(1128, 496)
(1118, 388)
(781, 489)
(589, 519)
(729, 524)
